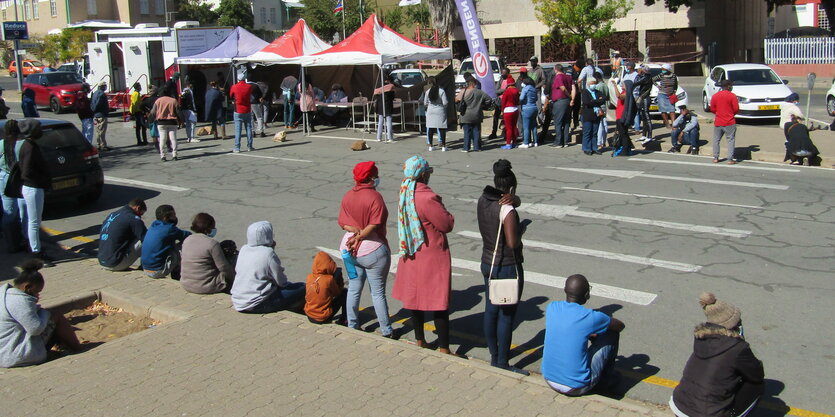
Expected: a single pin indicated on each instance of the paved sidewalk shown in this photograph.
(207, 359)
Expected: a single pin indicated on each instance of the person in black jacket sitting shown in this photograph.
(36, 180)
(120, 241)
(799, 147)
(722, 378)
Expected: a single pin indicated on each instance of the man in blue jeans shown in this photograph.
(591, 111)
(685, 130)
(570, 364)
(241, 93)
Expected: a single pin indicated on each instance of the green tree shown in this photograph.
(69, 45)
(574, 21)
(319, 15)
(197, 10)
(395, 19)
(235, 13)
(828, 7)
(418, 15)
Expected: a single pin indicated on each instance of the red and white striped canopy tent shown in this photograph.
(289, 48)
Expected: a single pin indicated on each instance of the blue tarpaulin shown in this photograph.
(239, 43)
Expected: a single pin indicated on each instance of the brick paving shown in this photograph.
(208, 360)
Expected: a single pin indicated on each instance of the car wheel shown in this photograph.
(830, 105)
(12, 74)
(705, 103)
(54, 105)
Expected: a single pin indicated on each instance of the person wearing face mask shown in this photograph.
(592, 101)
(160, 251)
(629, 74)
(424, 271)
(260, 285)
(363, 215)
(667, 85)
(205, 267)
(529, 111)
(27, 331)
(120, 238)
(722, 376)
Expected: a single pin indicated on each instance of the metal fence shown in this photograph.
(800, 51)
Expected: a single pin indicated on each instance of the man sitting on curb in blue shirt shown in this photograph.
(570, 364)
(685, 130)
(161, 247)
(120, 240)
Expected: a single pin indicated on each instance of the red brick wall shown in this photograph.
(801, 70)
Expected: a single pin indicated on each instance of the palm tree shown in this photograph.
(444, 15)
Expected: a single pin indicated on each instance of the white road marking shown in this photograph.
(558, 212)
(717, 203)
(710, 164)
(640, 260)
(108, 178)
(632, 174)
(270, 157)
(599, 290)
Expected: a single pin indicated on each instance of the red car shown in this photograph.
(57, 90)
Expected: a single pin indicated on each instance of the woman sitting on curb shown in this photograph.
(205, 267)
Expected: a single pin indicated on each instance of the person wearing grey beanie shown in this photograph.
(722, 378)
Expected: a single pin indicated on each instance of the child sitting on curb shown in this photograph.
(28, 331)
(325, 294)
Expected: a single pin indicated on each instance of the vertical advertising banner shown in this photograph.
(482, 69)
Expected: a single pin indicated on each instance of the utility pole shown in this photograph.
(18, 65)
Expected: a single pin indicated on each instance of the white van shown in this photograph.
(467, 66)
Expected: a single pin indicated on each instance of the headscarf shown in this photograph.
(409, 228)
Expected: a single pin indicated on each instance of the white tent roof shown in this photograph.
(290, 47)
(375, 43)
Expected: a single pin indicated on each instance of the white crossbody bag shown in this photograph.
(503, 291)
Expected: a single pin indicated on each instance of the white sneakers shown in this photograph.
(444, 149)
(523, 146)
(431, 148)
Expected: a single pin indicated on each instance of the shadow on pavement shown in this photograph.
(113, 196)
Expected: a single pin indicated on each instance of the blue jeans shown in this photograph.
(281, 299)
(243, 120)
(636, 125)
(12, 208)
(691, 138)
(590, 135)
(529, 113)
(87, 129)
(34, 213)
(602, 354)
(375, 268)
(472, 135)
(498, 320)
(388, 126)
(289, 108)
(562, 121)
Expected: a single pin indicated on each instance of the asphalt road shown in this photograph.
(651, 232)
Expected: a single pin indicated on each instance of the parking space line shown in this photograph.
(716, 203)
(166, 187)
(639, 260)
(599, 290)
(269, 157)
(624, 174)
(710, 164)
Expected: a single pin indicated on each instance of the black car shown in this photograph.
(73, 162)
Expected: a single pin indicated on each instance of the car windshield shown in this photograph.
(410, 78)
(37, 63)
(61, 78)
(754, 77)
(468, 66)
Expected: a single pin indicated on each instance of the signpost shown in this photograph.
(15, 31)
(810, 83)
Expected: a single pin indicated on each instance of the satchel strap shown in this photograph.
(503, 212)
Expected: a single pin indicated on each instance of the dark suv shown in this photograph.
(58, 90)
(73, 162)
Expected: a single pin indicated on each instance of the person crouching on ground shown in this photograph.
(121, 235)
(206, 268)
(685, 130)
(28, 331)
(260, 284)
(325, 293)
(570, 364)
(160, 251)
(722, 376)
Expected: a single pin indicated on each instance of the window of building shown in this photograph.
(263, 15)
(35, 12)
(27, 9)
(144, 6)
(4, 13)
(53, 8)
(160, 7)
(92, 8)
(823, 21)
(273, 20)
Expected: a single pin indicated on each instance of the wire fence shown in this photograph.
(800, 51)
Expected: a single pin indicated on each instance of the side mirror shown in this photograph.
(785, 81)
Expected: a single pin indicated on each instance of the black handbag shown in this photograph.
(14, 183)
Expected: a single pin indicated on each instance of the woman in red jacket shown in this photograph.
(510, 112)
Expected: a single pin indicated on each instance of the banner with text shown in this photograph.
(482, 69)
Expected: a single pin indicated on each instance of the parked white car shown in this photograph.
(830, 99)
(467, 66)
(758, 88)
(654, 69)
(409, 77)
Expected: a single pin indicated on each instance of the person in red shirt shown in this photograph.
(241, 93)
(725, 106)
(563, 93)
(510, 112)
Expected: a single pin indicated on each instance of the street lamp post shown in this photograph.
(18, 65)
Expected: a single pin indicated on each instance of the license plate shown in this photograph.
(60, 185)
(770, 107)
(653, 108)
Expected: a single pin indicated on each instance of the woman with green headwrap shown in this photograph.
(424, 272)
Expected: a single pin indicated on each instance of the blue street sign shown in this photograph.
(15, 31)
